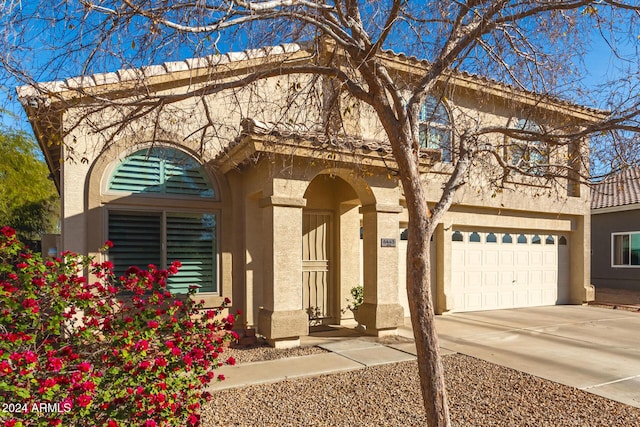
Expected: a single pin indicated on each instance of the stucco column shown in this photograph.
(281, 319)
(582, 291)
(381, 312)
(443, 265)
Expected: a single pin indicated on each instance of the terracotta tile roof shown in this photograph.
(315, 137)
(617, 190)
(492, 82)
(28, 92)
(24, 92)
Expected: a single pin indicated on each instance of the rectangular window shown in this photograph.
(159, 238)
(625, 248)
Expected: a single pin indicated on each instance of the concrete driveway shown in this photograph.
(593, 349)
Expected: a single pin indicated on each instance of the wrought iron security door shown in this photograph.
(316, 250)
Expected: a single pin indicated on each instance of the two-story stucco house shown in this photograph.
(247, 191)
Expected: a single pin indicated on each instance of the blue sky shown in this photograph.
(599, 66)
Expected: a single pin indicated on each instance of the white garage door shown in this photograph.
(492, 269)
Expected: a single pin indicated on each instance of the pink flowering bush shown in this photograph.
(102, 352)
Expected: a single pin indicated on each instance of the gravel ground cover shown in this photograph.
(480, 394)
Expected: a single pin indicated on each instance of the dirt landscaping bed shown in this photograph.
(625, 299)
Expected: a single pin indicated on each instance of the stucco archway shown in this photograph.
(335, 210)
(330, 248)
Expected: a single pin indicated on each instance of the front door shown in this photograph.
(316, 244)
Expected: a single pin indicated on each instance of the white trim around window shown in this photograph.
(625, 249)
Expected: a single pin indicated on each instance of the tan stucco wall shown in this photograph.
(261, 204)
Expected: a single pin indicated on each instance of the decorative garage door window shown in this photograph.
(435, 127)
(625, 249)
(178, 227)
(161, 170)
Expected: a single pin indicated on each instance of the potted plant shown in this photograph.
(357, 298)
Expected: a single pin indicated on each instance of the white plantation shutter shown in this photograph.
(136, 240)
(161, 171)
(191, 240)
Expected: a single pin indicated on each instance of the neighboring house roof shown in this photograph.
(621, 189)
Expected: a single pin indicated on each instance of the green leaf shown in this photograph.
(23, 393)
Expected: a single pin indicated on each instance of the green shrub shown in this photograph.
(116, 351)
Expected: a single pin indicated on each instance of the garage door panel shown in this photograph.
(535, 277)
(499, 274)
(458, 278)
(521, 298)
(490, 279)
(473, 280)
(550, 257)
(522, 277)
(490, 300)
(522, 258)
(536, 257)
(491, 258)
(507, 278)
(507, 258)
(535, 297)
(550, 277)
(473, 301)
(473, 258)
(506, 299)
(549, 296)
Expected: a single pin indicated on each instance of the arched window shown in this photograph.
(527, 153)
(435, 127)
(161, 170)
(179, 226)
(491, 238)
(456, 236)
(507, 238)
(474, 237)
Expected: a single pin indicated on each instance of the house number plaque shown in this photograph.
(388, 243)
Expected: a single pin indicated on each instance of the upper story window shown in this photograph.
(528, 154)
(435, 127)
(161, 170)
(625, 249)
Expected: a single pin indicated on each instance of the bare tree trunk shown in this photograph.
(422, 314)
(421, 227)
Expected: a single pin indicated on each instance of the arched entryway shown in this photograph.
(330, 248)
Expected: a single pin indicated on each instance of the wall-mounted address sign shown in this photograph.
(388, 243)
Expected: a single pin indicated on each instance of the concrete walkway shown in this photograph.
(593, 349)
